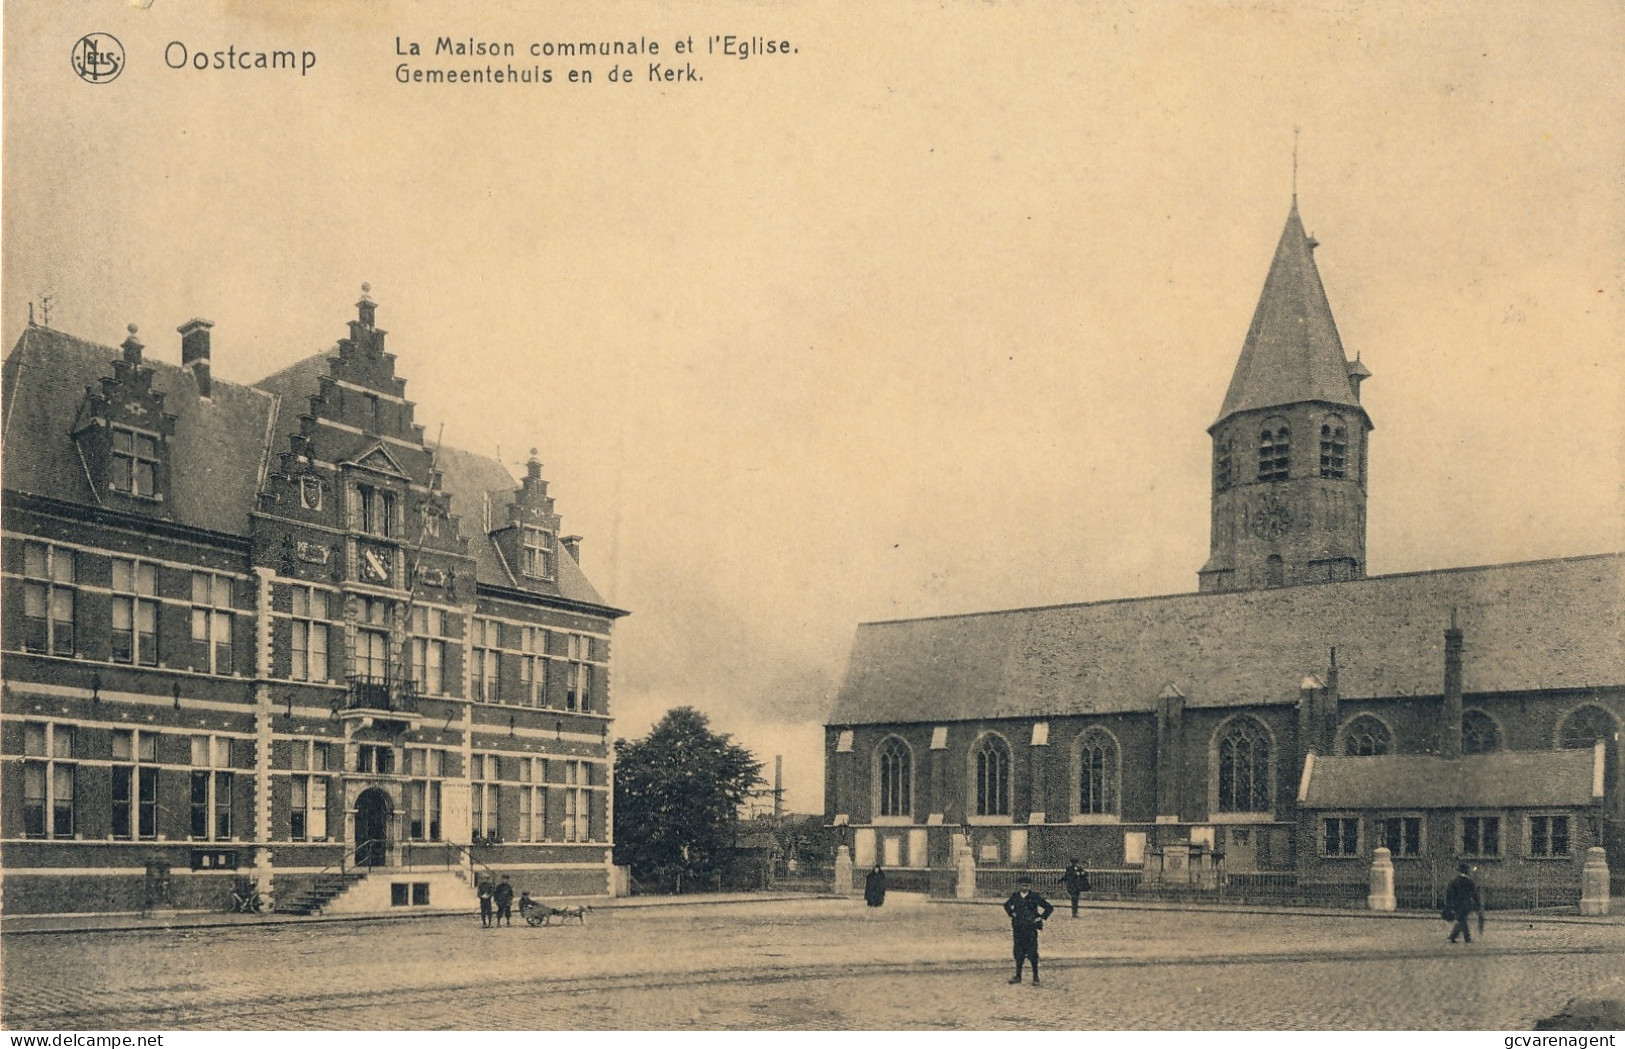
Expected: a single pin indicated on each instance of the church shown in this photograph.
(1286, 719)
(270, 640)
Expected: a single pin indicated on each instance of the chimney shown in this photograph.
(195, 352)
(572, 544)
(1450, 716)
(132, 347)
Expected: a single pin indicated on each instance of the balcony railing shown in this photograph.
(394, 697)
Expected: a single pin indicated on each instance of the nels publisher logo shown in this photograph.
(98, 58)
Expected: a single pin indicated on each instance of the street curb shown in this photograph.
(1303, 912)
(47, 925)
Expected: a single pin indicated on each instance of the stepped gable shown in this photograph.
(219, 445)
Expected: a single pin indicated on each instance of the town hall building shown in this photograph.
(1292, 715)
(270, 639)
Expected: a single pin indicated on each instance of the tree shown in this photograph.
(677, 797)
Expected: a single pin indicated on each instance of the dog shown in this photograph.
(564, 914)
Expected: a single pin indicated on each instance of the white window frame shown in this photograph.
(1340, 850)
(1379, 834)
(50, 584)
(1550, 818)
(135, 765)
(58, 775)
(1461, 836)
(135, 593)
(211, 760)
(311, 619)
(132, 458)
(212, 616)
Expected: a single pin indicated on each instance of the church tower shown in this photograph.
(1289, 446)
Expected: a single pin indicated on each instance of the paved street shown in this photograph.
(813, 964)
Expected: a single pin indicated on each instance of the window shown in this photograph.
(1333, 448)
(485, 674)
(1223, 465)
(375, 758)
(211, 621)
(576, 674)
(1481, 836)
(1274, 452)
(533, 666)
(485, 797)
(1401, 835)
(1584, 727)
(992, 777)
(372, 640)
(1479, 733)
(1340, 836)
(577, 803)
(1097, 773)
(372, 510)
(429, 651)
(1549, 836)
(311, 634)
(536, 557)
(48, 599)
(135, 463)
(135, 612)
(894, 777)
(426, 766)
(211, 788)
(532, 799)
(308, 801)
(1366, 736)
(49, 784)
(1243, 754)
(135, 784)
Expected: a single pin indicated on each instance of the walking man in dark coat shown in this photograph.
(503, 898)
(1076, 880)
(1027, 911)
(1461, 899)
(874, 887)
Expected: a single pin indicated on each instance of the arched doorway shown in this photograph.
(372, 812)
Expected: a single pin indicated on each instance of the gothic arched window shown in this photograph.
(1366, 736)
(992, 777)
(1584, 727)
(1243, 755)
(1334, 445)
(1223, 465)
(1479, 733)
(893, 775)
(1274, 451)
(1097, 773)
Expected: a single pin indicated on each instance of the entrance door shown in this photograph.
(372, 811)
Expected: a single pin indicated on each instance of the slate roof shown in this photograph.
(222, 446)
(219, 449)
(1292, 352)
(1531, 625)
(1503, 779)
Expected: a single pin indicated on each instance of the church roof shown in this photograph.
(1532, 625)
(1503, 779)
(1292, 352)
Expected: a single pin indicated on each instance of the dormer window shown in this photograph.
(1274, 452)
(135, 463)
(537, 556)
(1333, 448)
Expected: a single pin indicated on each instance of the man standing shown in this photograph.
(1076, 880)
(1461, 899)
(503, 898)
(1027, 911)
(484, 893)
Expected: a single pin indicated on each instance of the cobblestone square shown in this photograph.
(814, 964)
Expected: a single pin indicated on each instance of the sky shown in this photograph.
(927, 316)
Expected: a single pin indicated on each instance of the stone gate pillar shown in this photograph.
(1381, 897)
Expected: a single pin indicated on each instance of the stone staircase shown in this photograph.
(383, 890)
(315, 898)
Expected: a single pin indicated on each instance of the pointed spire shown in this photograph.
(1292, 352)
